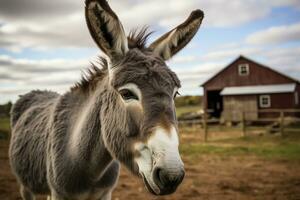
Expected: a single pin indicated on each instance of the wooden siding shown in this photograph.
(280, 101)
(233, 105)
(298, 92)
(258, 75)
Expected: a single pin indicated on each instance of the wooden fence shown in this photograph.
(281, 117)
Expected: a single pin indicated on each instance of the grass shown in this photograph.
(266, 147)
(186, 109)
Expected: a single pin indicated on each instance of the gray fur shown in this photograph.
(69, 146)
(42, 123)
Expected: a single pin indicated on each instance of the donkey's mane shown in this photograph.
(93, 74)
(138, 38)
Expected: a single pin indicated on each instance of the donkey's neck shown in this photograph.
(85, 144)
(84, 125)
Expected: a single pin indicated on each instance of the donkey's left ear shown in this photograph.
(173, 41)
(105, 28)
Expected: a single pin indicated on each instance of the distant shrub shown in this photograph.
(5, 109)
(188, 101)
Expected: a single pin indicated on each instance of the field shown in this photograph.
(254, 167)
(187, 109)
(4, 128)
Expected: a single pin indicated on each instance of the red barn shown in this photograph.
(245, 85)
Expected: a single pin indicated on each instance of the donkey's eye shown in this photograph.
(176, 94)
(128, 95)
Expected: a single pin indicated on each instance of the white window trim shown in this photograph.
(246, 65)
(296, 98)
(261, 97)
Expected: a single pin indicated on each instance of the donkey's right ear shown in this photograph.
(105, 28)
(172, 42)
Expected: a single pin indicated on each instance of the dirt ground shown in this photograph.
(207, 177)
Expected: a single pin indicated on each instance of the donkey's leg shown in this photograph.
(26, 194)
(106, 195)
(54, 196)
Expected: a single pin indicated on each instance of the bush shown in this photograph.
(188, 101)
(5, 109)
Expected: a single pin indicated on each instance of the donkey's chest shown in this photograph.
(99, 190)
(95, 193)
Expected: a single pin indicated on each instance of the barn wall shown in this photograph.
(298, 91)
(234, 105)
(258, 76)
(280, 101)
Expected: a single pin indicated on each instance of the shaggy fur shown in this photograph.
(69, 146)
(42, 124)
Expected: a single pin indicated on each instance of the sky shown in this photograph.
(46, 44)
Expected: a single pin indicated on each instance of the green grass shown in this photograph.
(186, 109)
(4, 128)
(267, 147)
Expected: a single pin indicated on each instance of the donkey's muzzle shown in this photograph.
(167, 180)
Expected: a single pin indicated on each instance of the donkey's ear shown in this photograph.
(105, 28)
(172, 42)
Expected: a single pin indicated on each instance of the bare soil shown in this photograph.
(207, 177)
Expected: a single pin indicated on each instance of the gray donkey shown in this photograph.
(69, 146)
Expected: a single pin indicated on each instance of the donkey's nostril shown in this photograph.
(179, 177)
(163, 177)
(167, 179)
(156, 177)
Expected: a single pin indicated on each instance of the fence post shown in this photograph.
(195, 125)
(205, 126)
(282, 123)
(243, 124)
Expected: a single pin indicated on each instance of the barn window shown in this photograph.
(243, 69)
(265, 101)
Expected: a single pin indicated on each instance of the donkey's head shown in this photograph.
(138, 116)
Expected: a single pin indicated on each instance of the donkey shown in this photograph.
(69, 146)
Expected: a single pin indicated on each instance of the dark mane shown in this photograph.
(91, 76)
(138, 38)
(89, 79)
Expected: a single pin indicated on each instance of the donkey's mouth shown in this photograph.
(149, 188)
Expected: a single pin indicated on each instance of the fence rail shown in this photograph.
(281, 120)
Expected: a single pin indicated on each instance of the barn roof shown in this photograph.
(250, 60)
(259, 89)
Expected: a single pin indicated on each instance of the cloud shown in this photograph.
(43, 25)
(285, 60)
(231, 53)
(51, 24)
(275, 35)
(225, 53)
(30, 9)
(17, 66)
(18, 76)
(292, 3)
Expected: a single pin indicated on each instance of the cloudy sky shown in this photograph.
(45, 44)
